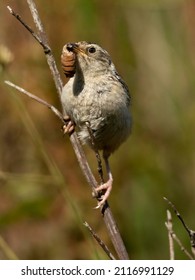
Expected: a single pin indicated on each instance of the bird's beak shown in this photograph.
(74, 47)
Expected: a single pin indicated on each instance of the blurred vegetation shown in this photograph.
(44, 198)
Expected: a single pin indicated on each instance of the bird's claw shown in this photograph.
(107, 187)
(69, 127)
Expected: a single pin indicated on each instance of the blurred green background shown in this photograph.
(44, 198)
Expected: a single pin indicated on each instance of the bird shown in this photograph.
(96, 95)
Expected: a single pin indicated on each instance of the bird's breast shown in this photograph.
(104, 106)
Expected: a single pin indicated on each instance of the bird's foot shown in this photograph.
(106, 187)
(69, 127)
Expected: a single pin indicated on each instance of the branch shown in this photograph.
(42, 40)
(190, 232)
(169, 227)
(36, 98)
(106, 211)
(177, 240)
(45, 47)
(99, 241)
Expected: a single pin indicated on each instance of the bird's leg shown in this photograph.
(107, 187)
(69, 126)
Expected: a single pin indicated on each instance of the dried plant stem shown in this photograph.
(177, 240)
(106, 211)
(36, 98)
(169, 227)
(99, 241)
(190, 232)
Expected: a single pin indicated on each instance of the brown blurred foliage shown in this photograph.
(43, 196)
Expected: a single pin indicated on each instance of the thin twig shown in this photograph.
(107, 213)
(177, 240)
(37, 19)
(42, 40)
(45, 47)
(190, 232)
(99, 241)
(38, 99)
(50, 58)
(177, 213)
(169, 226)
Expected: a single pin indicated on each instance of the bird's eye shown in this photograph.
(91, 50)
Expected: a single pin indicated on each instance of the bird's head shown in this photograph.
(91, 59)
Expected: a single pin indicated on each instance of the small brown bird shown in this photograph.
(96, 95)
